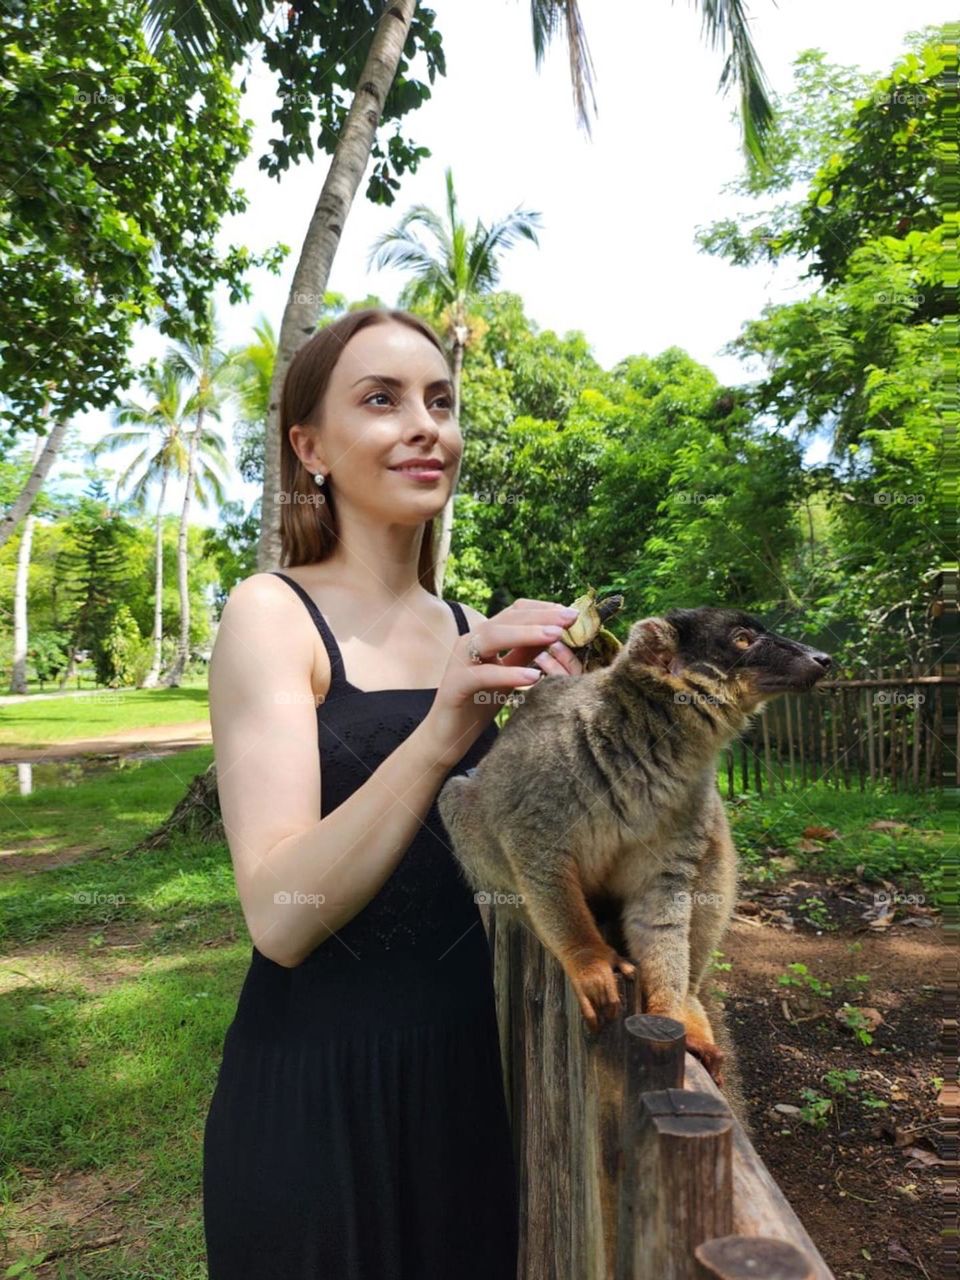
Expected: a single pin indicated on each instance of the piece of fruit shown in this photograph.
(593, 644)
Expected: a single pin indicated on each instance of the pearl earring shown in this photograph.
(318, 478)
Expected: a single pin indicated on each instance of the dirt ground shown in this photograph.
(864, 1185)
(190, 733)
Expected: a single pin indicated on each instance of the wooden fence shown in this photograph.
(893, 725)
(631, 1164)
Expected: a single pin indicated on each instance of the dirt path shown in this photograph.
(190, 733)
(864, 1184)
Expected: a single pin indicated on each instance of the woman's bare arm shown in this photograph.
(299, 878)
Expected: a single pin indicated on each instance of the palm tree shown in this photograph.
(160, 419)
(230, 26)
(210, 372)
(448, 278)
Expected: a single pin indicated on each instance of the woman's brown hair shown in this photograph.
(308, 528)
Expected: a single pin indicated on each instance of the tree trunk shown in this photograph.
(197, 816)
(152, 678)
(183, 647)
(43, 461)
(446, 522)
(305, 299)
(21, 636)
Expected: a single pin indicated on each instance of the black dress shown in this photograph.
(359, 1129)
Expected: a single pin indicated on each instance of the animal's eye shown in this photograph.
(743, 639)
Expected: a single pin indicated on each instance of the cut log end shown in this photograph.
(751, 1258)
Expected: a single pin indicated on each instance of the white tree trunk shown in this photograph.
(446, 521)
(44, 458)
(304, 302)
(183, 647)
(152, 678)
(21, 636)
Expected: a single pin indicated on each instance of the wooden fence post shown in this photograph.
(677, 1185)
(750, 1258)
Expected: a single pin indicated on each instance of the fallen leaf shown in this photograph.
(807, 846)
(884, 824)
(872, 1017)
(921, 1159)
(821, 833)
(897, 1253)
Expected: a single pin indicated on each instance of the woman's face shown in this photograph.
(389, 400)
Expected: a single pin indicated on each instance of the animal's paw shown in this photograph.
(595, 986)
(710, 1054)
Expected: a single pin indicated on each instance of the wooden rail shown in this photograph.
(631, 1163)
(896, 727)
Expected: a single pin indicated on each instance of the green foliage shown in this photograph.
(95, 569)
(838, 1081)
(863, 358)
(47, 651)
(853, 1018)
(116, 174)
(798, 975)
(129, 653)
(816, 1109)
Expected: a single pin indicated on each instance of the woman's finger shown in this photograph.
(559, 659)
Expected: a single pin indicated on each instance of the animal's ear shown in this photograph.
(652, 642)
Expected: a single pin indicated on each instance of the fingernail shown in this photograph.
(540, 659)
(570, 614)
(533, 672)
(553, 632)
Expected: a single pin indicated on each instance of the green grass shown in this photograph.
(110, 811)
(777, 820)
(98, 714)
(117, 1081)
(114, 1078)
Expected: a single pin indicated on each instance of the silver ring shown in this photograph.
(474, 652)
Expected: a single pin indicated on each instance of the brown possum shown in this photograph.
(601, 788)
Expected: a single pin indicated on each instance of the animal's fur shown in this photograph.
(601, 788)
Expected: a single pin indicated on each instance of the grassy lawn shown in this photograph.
(119, 974)
(118, 978)
(774, 826)
(98, 714)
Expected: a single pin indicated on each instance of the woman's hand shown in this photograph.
(472, 693)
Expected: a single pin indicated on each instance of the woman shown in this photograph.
(358, 1130)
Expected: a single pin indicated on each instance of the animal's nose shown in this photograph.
(824, 660)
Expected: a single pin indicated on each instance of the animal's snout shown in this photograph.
(823, 659)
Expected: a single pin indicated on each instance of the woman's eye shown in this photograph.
(374, 396)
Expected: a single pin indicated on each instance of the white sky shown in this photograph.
(617, 257)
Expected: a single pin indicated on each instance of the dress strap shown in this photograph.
(337, 672)
(462, 625)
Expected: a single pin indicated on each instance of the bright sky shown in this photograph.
(617, 257)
